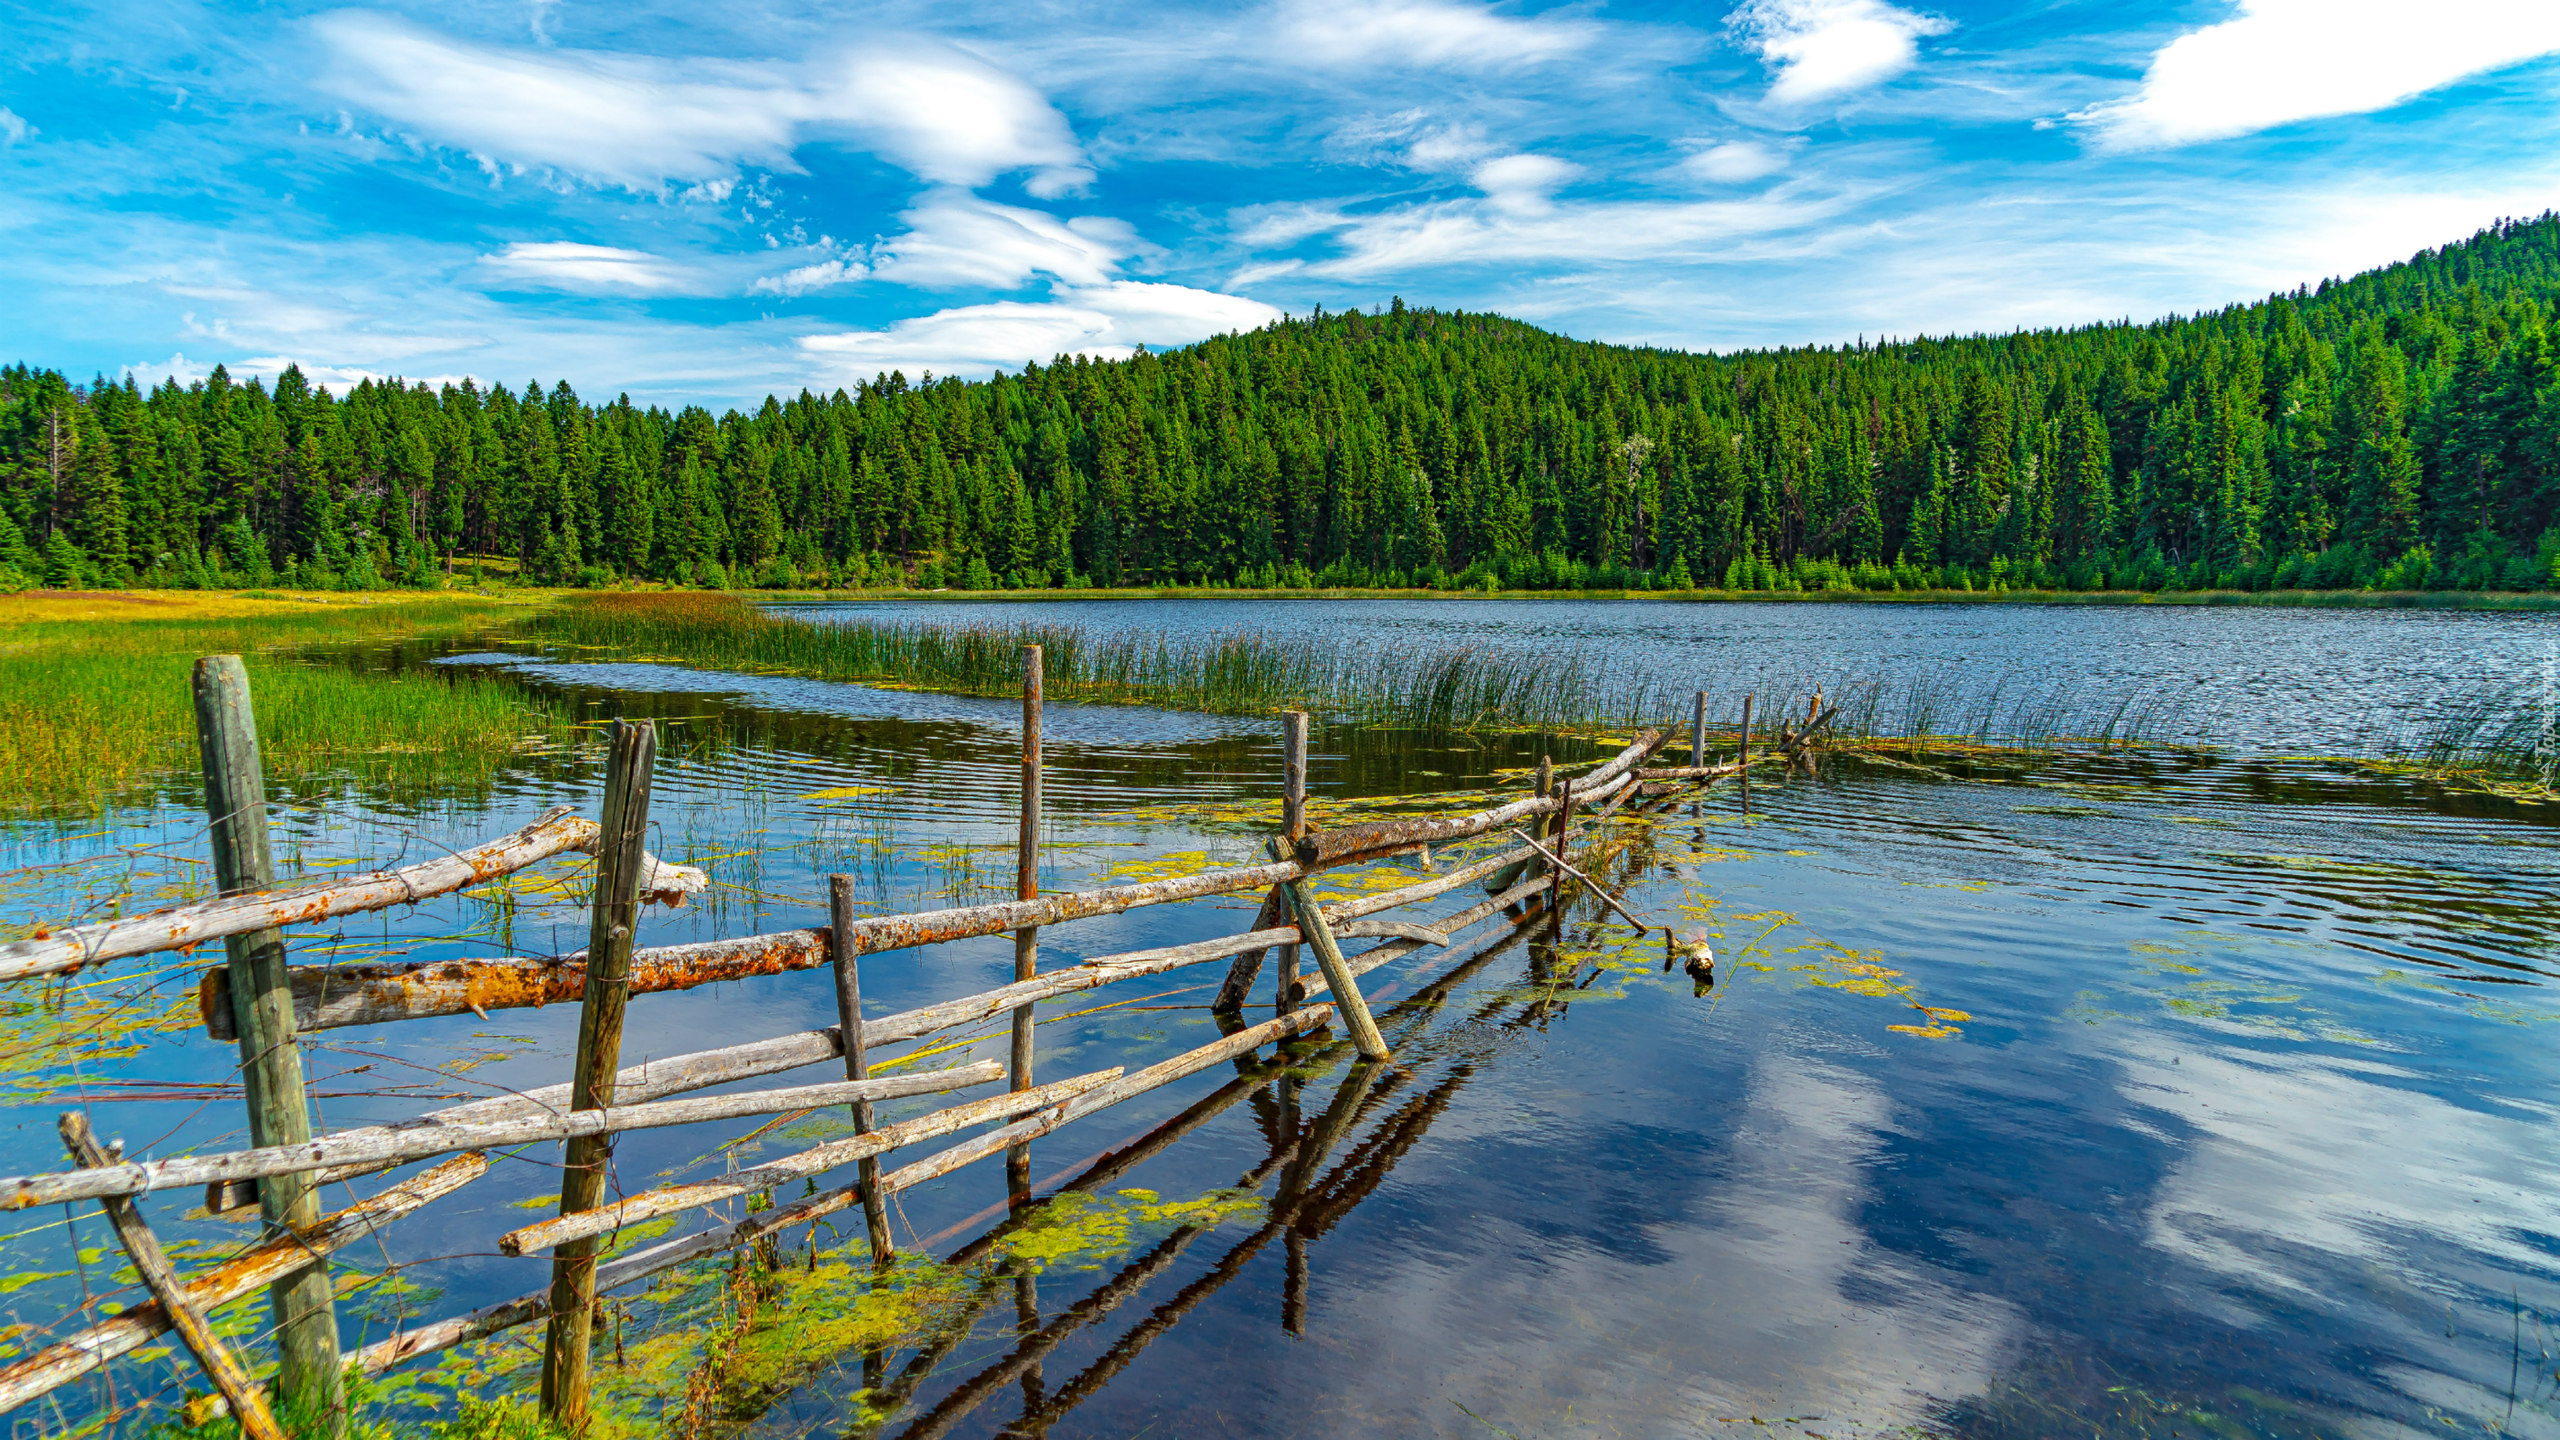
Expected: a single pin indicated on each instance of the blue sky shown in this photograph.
(707, 203)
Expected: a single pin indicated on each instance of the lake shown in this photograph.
(2193, 1088)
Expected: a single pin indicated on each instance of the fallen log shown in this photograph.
(555, 832)
(604, 1219)
(381, 1146)
(632, 1268)
(83, 1353)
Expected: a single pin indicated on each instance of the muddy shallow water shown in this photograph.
(2174, 1092)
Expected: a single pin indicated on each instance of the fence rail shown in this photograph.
(270, 1006)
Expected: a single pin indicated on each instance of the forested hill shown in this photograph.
(2401, 429)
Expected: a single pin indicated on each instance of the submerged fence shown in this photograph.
(255, 998)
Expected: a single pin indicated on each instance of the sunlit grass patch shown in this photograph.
(96, 706)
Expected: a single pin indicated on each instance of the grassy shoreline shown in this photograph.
(96, 707)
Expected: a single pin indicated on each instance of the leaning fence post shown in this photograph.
(615, 914)
(857, 1064)
(1698, 731)
(1026, 886)
(1746, 739)
(229, 1377)
(1337, 974)
(235, 794)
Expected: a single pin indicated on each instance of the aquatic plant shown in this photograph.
(1418, 686)
(2504, 734)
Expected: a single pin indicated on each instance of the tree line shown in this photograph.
(2398, 429)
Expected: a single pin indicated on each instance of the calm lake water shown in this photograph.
(2173, 1092)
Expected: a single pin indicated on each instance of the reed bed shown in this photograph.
(98, 711)
(2506, 734)
(1438, 689)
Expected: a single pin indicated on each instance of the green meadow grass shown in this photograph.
(96, 705)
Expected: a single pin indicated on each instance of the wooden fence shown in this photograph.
(262, 1003)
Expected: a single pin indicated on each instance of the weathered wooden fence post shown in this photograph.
(1293, 824)
(235, 796)
(1026, 886)
(1698, 730)
(615, 915)
(857, 1063)
(1746, 739)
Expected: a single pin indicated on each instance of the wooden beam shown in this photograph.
(554, 832)
(88, 1350)
(224, 1369)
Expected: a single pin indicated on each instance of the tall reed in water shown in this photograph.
(1447, 688)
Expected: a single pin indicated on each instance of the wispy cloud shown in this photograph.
(1103, 321)
(641, 122)
(1822, 49)
(1735, 162)
(956, 240)
(2280, 61)
(578, 269)
(13, 128)
(1525, 227)
(1524, 184)
(1422, 32)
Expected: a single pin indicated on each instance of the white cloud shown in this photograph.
(339, 378)
(641, 122)
(1734, 162)
(1523, 184)
(1409, 138)
(955, 240)
(803, 280)
(1527, 228)
(578, 269)
(147, 373)
(13, 127)
(2278, 61)
(1823, 48)
(954, 120)
(1422, 32)
(1106, 321)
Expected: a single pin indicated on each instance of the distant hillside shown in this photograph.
(2401, 428)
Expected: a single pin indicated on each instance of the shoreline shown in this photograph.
(103, 604)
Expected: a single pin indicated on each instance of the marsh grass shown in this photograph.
(2505, 737)
(1438, 689)
(96, 709)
